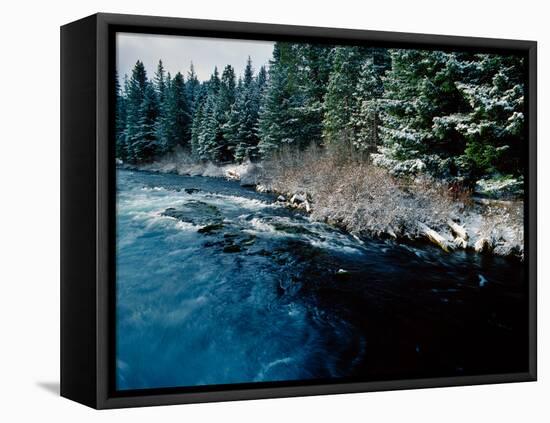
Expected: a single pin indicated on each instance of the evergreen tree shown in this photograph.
(248, 108)
(340, 102)
(120, 121)
(135, 95)
(162, 125)
(225, 101)
(176, 124)
(275, 103)
(292, 103)
(381, 62)
(364, 117)
(312, 68)
(214, 82)
(192, 89)
(160, 82)
(494, 127)
(419, 90)
(144, 147)
(261, 80)
(230, 129)
(208, 145)
(197, 122)
(462, 113)
(208, 130)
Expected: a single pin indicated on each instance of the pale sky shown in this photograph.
(177, 52)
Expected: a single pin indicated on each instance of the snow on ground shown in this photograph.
(380, 210)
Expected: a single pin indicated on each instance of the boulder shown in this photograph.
(211, 228)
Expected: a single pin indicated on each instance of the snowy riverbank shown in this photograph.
(366, 201)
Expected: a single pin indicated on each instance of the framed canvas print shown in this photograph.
(255, 211)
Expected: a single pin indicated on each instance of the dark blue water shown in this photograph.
(219, 284)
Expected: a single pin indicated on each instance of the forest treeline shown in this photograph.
(446, 113)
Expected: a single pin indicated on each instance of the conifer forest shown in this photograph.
(450, 114)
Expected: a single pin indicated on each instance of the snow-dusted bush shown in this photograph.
(247, 172)
(179, 161)
(359, 196)
(500, 187)
(182, 163)
(501, 224)
(366, 199)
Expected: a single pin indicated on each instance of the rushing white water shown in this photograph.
(218, 284)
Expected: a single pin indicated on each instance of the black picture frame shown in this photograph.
(88, 212)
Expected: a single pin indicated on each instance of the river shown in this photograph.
(219, 284)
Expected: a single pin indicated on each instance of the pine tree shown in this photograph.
(135, 95)
(225, 101)
(381, 62)
(144, 147)
(493, 128)
(316, 64)
(275, 102)
(248, 109)
(292, 103)
(162, 124)
(261, 80)
(160, 82)
(178, 131)
(192, 89)
(364, 117)
(120, 121)
(312, 67)
(197, 122)
(461, 113)
(208, 130)
(340, 102)
(230, 129)
(420, 92)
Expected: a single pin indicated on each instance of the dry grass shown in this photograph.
(354, 194)
(502, 225)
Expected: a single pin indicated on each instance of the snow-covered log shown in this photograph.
(232, 174)
(460, 242)
(261, 188)
(458, 230)
(435, 237)
(298, 198)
